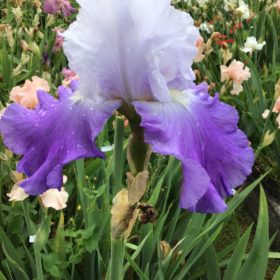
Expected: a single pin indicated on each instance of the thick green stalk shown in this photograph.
(118, 155)
(117, 256)
(31, 231)
(138, 152)
(117, 246)
(39, 269)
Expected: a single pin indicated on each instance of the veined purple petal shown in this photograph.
(57, 132)
(195, 183)
(202, 132)
(131, 49)
(211, 202)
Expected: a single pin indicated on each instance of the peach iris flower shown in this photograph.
(54, 198)
(26, 95)
(51, 198)
(200, 44)
(276, 108)
(237, 73)
(17, 193)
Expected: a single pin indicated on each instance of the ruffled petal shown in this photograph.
(57, 132)
(200, 128)
(131, 49)
(211, 202)
(195, 182)
(17, 194)
(54, 198)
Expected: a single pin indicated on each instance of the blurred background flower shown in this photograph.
(251, 44)
(58, 6)
(26, 95)
(236, 72)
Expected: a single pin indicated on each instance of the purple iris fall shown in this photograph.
(139, 53)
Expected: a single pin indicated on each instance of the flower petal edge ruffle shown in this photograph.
(52, 135)
(202, 133)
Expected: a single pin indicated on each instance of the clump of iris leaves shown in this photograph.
(75, 243)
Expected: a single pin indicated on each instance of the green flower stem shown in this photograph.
(138, 152)
(117, 256)
(39, 269)
(118, 155)
(30, 227)
(80, 166)
(31, 231)
(117, 246)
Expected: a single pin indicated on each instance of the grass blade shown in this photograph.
(236, 259)
(256, 264)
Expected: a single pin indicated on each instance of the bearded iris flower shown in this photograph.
(134, 54)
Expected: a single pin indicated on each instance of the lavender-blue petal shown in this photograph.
(200, 128)
(74, 85)
(52, 135)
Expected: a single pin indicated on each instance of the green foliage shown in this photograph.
(76, 249)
